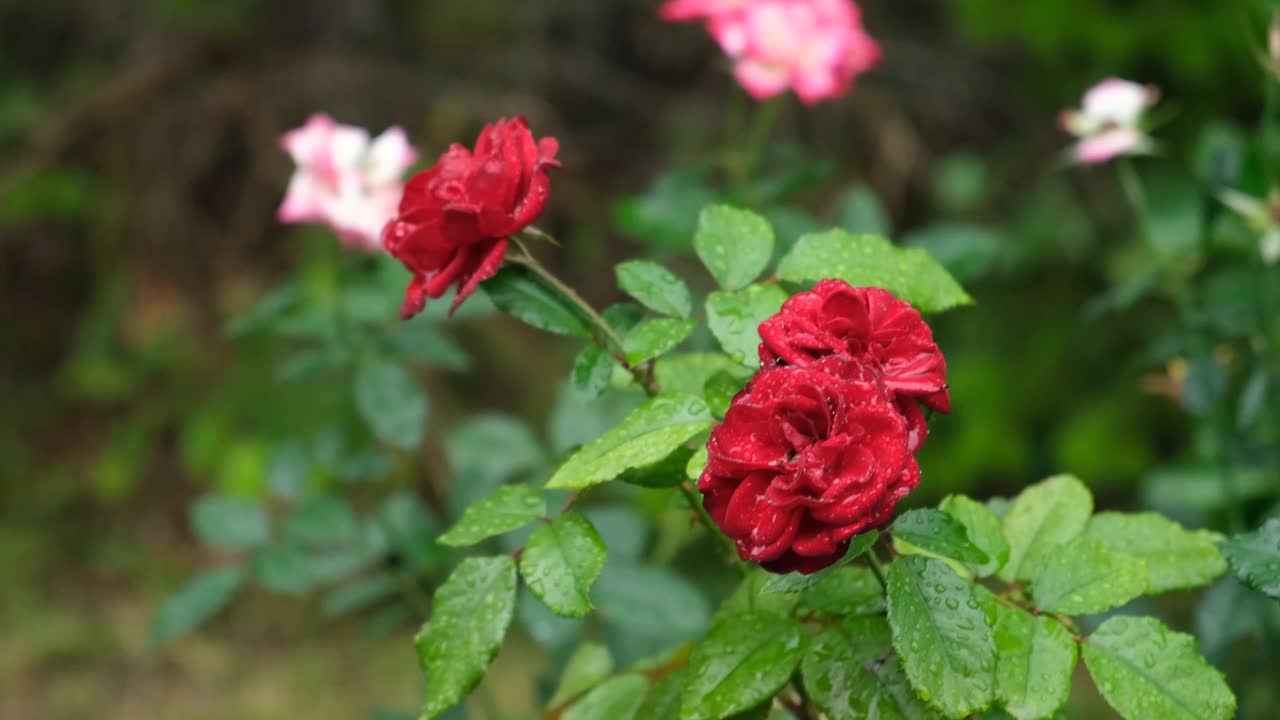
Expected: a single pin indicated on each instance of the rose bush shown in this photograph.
(456, 216)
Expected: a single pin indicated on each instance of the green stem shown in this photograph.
(1269, 108)
(1230, 489)
(695, 503)
(874, 563)
(605, 336)
(753, 145)
(1131, 183)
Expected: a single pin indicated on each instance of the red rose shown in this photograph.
(806, 458)
(866, 324)
(455, 217)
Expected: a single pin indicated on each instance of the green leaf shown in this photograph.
(477, 469)
(561, 561)
(1255, 558)
(391, 404)
(938, 533)
(647, 435)
(735, 317)
(872, 261)
(618, 699)
(744, 659)
(508, 508)
(590, 664)
(322, 520)
(1176, 558)
(470, 614)
(195, 602)
(523, 294)
(861, 213)
(419, 342)
(230, 523)
(622, 316)
(649, 609)
(283, 568)
(851, 590)
(663, 701)
(750, 595)
(656, 287)
(852, 673)
(592, 370)
(688, 373)
(734, 244)
(941, 633)
(720, 391)
(667, 472)
(984, 531)
(796, 582)
(358, 595)
(1148, 672)
(655, 337)
(1084, 577)
(697, 463)
(1035, 656)
(1042, 518)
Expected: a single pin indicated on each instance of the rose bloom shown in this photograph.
(814, 47)
(869, 325)
(806, 458)
(1109, 121)
(343, 179)
(455, 217)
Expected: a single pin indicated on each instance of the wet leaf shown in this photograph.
(938, 533)
(1040, 519)
(590, 664)
(1085, 577)
(983, 528)
(852, 673)
(391, 404)
(1176, 558)
(735, 317)
(1034, 662)
(872, 261)
(1255, 558)
(646, 436)
(941, 633)
(617, 699)
(508, 508)
(1148, 672)
(655, 337)
(734, 244)
(656, 287)
(744, 659)
(561, 561)
(470, 614)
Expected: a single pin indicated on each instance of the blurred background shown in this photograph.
(166, 341)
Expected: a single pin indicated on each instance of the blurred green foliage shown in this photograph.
(157, 361)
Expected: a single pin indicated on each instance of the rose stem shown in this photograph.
(644, 379)
(876, 570)
(608, 337)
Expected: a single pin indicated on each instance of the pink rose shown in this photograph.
(815, 48)
(343, 179)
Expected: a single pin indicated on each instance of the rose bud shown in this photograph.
(455, 217)
(806, 458)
